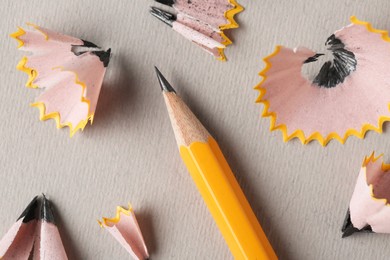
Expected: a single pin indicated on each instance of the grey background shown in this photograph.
(299, 193)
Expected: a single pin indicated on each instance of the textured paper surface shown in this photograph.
(300, 193)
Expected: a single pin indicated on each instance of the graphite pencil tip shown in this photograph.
(30, 212)
(164, 84)
(166, 2)
(46, 211)
(163, 16)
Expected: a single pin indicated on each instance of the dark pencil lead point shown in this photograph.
(163, 16)
(164, 84)
(46, 211)
(348, 228)
(166, 2)
(30, 212)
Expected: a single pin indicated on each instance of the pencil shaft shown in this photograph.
(217, 184)
(226, 201)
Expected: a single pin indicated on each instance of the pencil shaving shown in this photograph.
(125, 229)
(34, 235)
(69, 70)
(369, 209)
(202, 22)
(349, 95)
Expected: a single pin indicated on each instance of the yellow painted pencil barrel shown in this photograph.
(226, 201)
(216, 182)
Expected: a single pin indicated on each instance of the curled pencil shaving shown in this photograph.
(34, 235)
(202, 22)
(369, 209)
(342, 100)
(125, 229)
(69, 70)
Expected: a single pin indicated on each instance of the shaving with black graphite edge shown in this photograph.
(34, 235)
(349, 94)
(29, 213)
(369, 207)
(163, 16)
(80, 65)
(88, 46)
(201, 21)
(335, 71)
(348, 228)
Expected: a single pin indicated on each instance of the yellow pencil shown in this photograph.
(215, 181)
